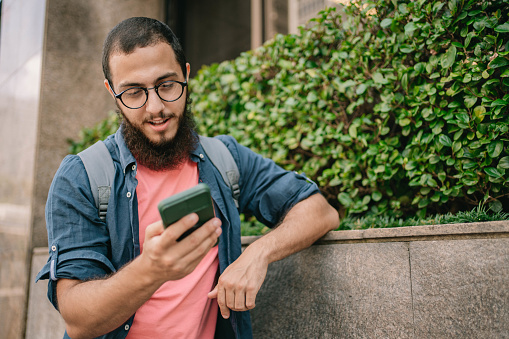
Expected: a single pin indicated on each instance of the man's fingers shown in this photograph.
(154, 229)
(213, 294)
(230, 298)
(221, 301)
(240, 301)
(175, 230)
(177, 259)
(250, 298)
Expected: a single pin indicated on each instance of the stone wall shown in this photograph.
(411, 282)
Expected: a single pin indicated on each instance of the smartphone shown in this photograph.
(194, 200)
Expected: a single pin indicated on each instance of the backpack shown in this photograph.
(101, 171)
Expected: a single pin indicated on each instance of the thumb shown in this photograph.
(213, 294)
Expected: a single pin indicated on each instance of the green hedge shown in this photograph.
(396, 108)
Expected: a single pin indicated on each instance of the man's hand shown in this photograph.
(172, 260)
(240, 282)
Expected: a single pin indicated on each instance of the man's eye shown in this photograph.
(133, 92)
(167, 85)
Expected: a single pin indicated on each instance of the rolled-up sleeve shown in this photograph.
(267, 190)
(77, 238)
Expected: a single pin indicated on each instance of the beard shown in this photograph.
(166, 154)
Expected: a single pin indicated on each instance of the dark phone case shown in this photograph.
(194, 200)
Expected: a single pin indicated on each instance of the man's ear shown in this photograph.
(188, 71)
(107, 85)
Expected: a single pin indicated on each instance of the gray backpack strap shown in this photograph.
(223, 160)
(101, 173)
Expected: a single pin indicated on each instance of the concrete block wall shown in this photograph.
(410, 282)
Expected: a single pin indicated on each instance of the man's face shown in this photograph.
(148, 67)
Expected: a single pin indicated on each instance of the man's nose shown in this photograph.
(154, 103)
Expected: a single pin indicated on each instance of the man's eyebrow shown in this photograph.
(137, 84)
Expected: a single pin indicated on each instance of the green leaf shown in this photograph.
(504, 163)
(496, 206)
(492, 172)
(504, 28)
(376, 196)
(361, 89)
(467, 78)
(449, 57)
(386, 22)
(499, 102)
(379, 78)
(410, 27)
(479, 112)
(335, 182)
(445, 140)
(352, 131)
(463, 117)
(345, 199)
(404, 122)
(423, 203)
(470, 181)
(498, 62)
(434, 159)
(312, 97)
(495, 148)
(404, 81)
(469, 38)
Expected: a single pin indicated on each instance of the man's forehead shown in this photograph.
(117, 51)
(144, 57)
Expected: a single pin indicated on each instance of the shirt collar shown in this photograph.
(126, 157)
(198, 152)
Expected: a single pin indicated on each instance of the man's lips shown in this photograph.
(158, 121)
(160, 124)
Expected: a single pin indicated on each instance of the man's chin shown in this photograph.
(159, 139)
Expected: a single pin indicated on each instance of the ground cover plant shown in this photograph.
(397, 109)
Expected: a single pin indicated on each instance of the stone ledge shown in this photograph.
(476, 230)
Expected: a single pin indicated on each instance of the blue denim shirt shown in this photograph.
(82, 246)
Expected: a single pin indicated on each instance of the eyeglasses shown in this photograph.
(136, 97)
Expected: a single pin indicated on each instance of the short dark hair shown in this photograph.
(138, 32)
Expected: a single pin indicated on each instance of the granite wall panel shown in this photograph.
(337, 291)
(460, 288)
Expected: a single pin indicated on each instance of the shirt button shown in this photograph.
(128, 194)
(127, 327)
(202, 156)
(53, 248)
(134, 167)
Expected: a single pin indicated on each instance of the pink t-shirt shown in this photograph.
(180, 308)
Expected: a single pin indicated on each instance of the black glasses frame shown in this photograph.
(183, 85)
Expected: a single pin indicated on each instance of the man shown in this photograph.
(128, 276)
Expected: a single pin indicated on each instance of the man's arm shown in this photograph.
(305, 223)
(96, 307)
